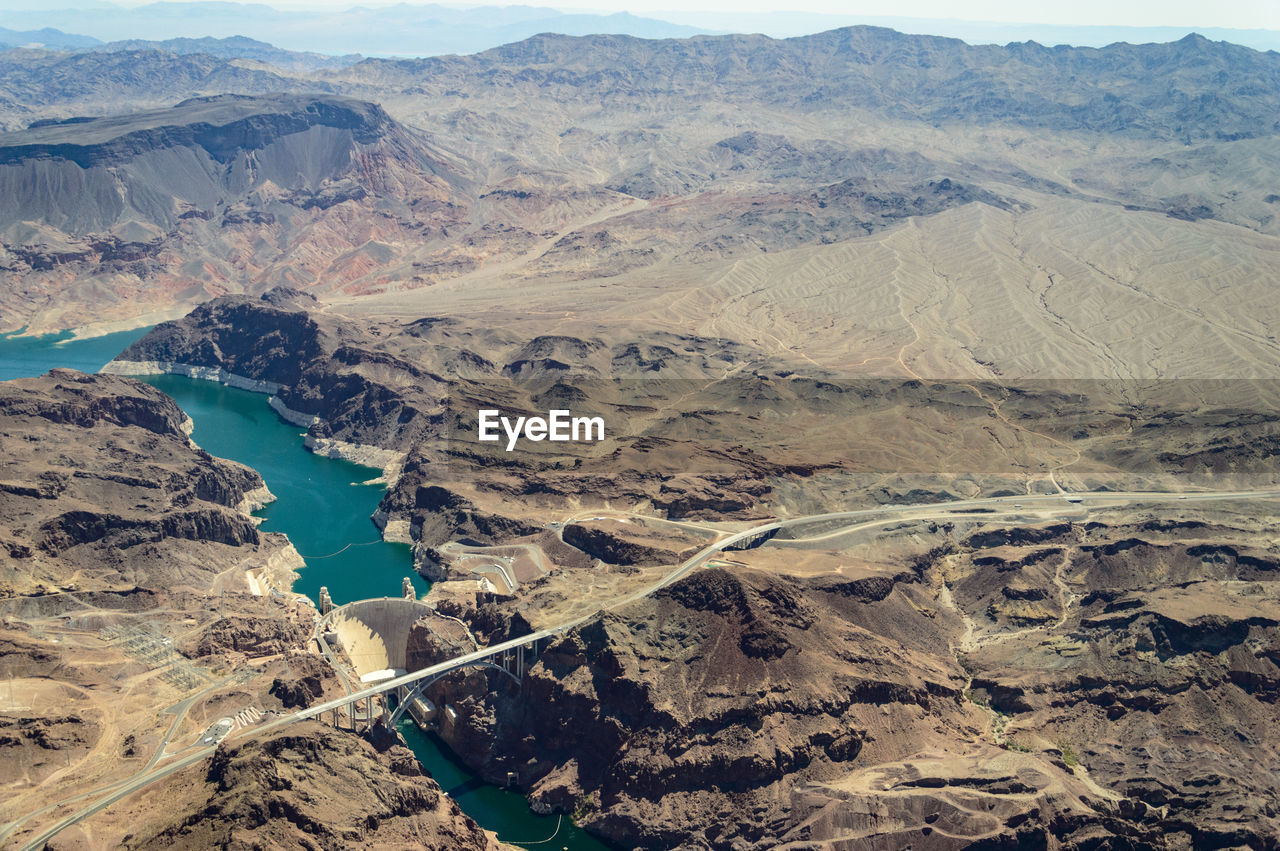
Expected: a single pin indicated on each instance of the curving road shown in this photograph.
(122, 790)
(178, 710)
(929, 511)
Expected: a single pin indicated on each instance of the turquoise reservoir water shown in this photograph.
(493, 808)
(323, 507)
(325, 511)
(320, 502)
(24, 357)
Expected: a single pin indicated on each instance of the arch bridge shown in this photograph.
(511, 657)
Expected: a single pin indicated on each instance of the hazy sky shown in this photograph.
(1264, 14)
(1242, 14)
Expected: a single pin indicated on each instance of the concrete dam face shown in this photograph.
(375, 633)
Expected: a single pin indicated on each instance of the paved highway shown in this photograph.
(937, 510)
(178, 710)
(135, 784)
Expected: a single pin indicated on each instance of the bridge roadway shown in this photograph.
(921, 512)
(931, 511)
(487, 653)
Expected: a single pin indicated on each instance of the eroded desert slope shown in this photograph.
(141, 605)
(943, 286)
(871, 202)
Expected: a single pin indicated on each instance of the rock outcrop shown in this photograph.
(115, 495)
(308, 786)
(613, 549)
(435, 638)
(708, 699)
(736, 710)
(167, 207)
(248, 634)
(304, 682)
(1154, 661)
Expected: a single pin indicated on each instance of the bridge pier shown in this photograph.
(511, 658)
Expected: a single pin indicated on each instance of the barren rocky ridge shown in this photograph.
(982, 656)
(892, 200)
(133, 582)
(853, 270)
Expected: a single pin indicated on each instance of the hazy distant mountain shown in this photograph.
(37, 84)
(46, 37)
(790, 24)
(430, 29)
(1187, 90)
(741, 146)
(410, 30)
(236, 47)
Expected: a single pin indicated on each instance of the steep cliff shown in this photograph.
(232, 193)
(310, 786)
(744, 709)
(116, 497)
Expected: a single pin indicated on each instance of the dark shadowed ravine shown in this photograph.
(324, 509)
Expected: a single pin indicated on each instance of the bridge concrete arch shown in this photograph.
(406, 696)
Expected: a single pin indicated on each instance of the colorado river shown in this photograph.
(320, 503)
(324, 509)
(26, 357)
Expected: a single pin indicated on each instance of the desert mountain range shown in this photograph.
(895, 199)
(886, 317)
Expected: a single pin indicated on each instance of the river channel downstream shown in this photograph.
(324, 507)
